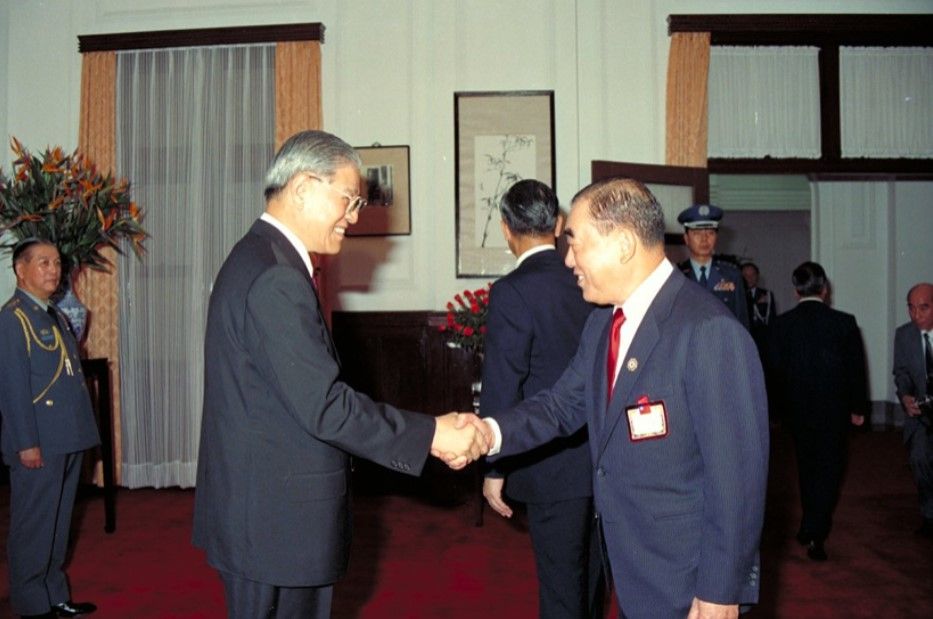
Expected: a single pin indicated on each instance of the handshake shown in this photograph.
(461, 438)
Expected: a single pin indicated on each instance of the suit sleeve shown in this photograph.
(19, 415)
(554, 412)
(856, 365)
(730, 419)
(284, 327)
(509, 338)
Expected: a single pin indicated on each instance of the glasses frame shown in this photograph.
(355, 204)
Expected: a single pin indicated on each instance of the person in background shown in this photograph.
(48, 422)
(536, 314)
(679, 444)
(817, 361)
(271, 507)
(760, 304)
(913, 379)
(701, 229)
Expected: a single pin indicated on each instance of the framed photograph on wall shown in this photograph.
(384, 182)
(500, 138)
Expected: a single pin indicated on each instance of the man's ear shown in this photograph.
(299, 186)
(627, 244)
(559, 226)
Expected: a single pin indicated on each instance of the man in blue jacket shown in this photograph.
(679, 444)
(47, 423)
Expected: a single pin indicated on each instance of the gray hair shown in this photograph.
(617, 202)
(317, 152)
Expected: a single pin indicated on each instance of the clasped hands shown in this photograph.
(460, 438)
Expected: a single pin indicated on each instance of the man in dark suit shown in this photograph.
(818, 364)
(721, 278)
(913, 377)
(47, 423)
(271, 506)
(679, 446)
(536, 314)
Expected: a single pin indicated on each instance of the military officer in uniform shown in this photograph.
(701, 226)
(47, 424)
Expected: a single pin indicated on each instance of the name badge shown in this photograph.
(646, 420)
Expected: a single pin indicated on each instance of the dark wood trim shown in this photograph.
(236, 35)
(901, 168)
(810, 29)
(828, 32)
(698, 178)
(830, 133)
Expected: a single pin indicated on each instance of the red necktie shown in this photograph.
(617, 319)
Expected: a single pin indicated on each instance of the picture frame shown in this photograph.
(385, 183)
(499, 139)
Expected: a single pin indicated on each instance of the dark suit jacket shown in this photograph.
(682, 514)
(536, 315)
(909, 370)
(818, 363)
(272, 489)
(43, 405)
(725, 282)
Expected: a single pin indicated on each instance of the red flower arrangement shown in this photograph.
(466, 319)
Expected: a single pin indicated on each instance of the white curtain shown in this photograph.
(195, 130)
(764, 101)
(886, 102)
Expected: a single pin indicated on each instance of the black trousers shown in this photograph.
(248, 599)
(821, 460)
(568, 560)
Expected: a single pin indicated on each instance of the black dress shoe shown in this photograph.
(926, 529)
(74, 609)
(816, 552)
(49, 615)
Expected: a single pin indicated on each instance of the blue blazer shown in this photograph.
(681, 514)
(536, 315)
(272, 497)
(43, 394)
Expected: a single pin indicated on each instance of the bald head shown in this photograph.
(920, 305)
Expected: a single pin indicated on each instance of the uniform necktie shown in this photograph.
(617, 319)
(703, 278)
(928, 352)
(51, 312)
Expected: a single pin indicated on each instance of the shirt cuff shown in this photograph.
(497, 433)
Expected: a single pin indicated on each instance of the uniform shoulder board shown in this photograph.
(13, 302)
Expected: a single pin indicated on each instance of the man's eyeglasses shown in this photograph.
(355, 204)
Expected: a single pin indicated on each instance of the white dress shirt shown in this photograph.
(293, 239)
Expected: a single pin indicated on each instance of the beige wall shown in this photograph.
(390, 68)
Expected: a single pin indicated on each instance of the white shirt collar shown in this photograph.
(636, 306)
(292, 238)
(537, 249)
(813, 298)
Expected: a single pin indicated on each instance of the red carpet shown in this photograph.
(415, 558)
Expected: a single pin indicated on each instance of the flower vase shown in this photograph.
(70, 305)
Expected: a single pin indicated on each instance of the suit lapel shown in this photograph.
(285, 253)
(636, 359)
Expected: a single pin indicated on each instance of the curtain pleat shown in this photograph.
(764, 102)
(298, 108)
(687, 71)
(195, 133)
(886, 102)
(98, 291)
